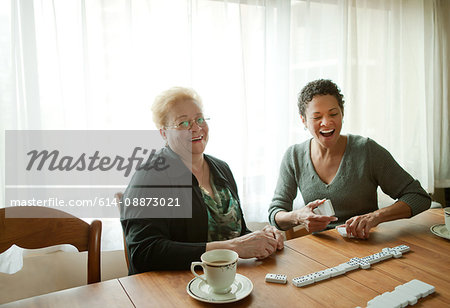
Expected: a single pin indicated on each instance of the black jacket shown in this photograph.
(171, 243)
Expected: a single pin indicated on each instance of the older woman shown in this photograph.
(217, 220)
(345, 169)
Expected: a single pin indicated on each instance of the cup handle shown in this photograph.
(193, 265)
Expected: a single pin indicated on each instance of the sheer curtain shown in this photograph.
(438, 96)
(390, 59)
(99, 64)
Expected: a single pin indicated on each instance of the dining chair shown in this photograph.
(295, 232)
(118, 197)
(39, 227)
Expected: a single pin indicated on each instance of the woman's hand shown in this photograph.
(312, 222)
(359, 226)
(271, 230)
(259, 244)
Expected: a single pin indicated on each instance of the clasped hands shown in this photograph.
(259, 244)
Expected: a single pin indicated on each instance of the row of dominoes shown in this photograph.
(353, 264)
(403, 295)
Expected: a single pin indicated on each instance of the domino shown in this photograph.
(403, 295)
(352, 265)
(371, 259)
(410, 297)
(387, 250)
(430, 289)
(276, 278)
(334, 271)
(321, 275)
(325, 208)
(396, 253)
(341, 269)
(384, 255)
(303, 281)
(377, 301)
(348, 267)
(425, 289)
(398, 301)
(382, 301)
(362, 264)
(407, 292)
(380, 256)
(378, 304)
(343, 232)
(402, 248)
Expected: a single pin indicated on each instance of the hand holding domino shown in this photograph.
(343, 232)
(325, 209)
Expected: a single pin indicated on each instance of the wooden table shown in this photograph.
(428, 261)
(103, 294)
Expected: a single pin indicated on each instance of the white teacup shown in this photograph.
(447, 218)
(219, 266)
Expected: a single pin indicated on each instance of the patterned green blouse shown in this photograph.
(224, 215)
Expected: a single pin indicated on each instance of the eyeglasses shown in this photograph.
(184, 125)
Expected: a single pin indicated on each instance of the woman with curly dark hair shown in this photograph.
(347, 169)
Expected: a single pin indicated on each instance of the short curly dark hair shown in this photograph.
(319, 87)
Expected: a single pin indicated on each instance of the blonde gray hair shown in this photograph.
(164, 101)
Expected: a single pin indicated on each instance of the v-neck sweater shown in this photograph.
(364, 166)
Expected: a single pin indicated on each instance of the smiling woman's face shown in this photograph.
(323, 118)
(186, 141)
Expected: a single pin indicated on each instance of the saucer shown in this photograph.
(440, 230)
(200, 290)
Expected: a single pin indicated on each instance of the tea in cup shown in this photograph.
(219, 267)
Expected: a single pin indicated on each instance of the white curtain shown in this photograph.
(99, 64)
(438, 93)
(384, 55)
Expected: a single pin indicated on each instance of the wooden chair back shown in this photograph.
(118, 196)
(40, 227)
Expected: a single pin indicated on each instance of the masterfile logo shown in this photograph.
(74, 157)
(91, 163)
(80, 171)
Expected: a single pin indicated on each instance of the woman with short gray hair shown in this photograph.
(217, 220)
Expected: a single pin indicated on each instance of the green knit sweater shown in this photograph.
(353, 191)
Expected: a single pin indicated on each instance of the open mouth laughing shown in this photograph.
(327, 133)
(196, 139)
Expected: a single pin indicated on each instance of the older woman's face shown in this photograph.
(186, 141)
(323, 118)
